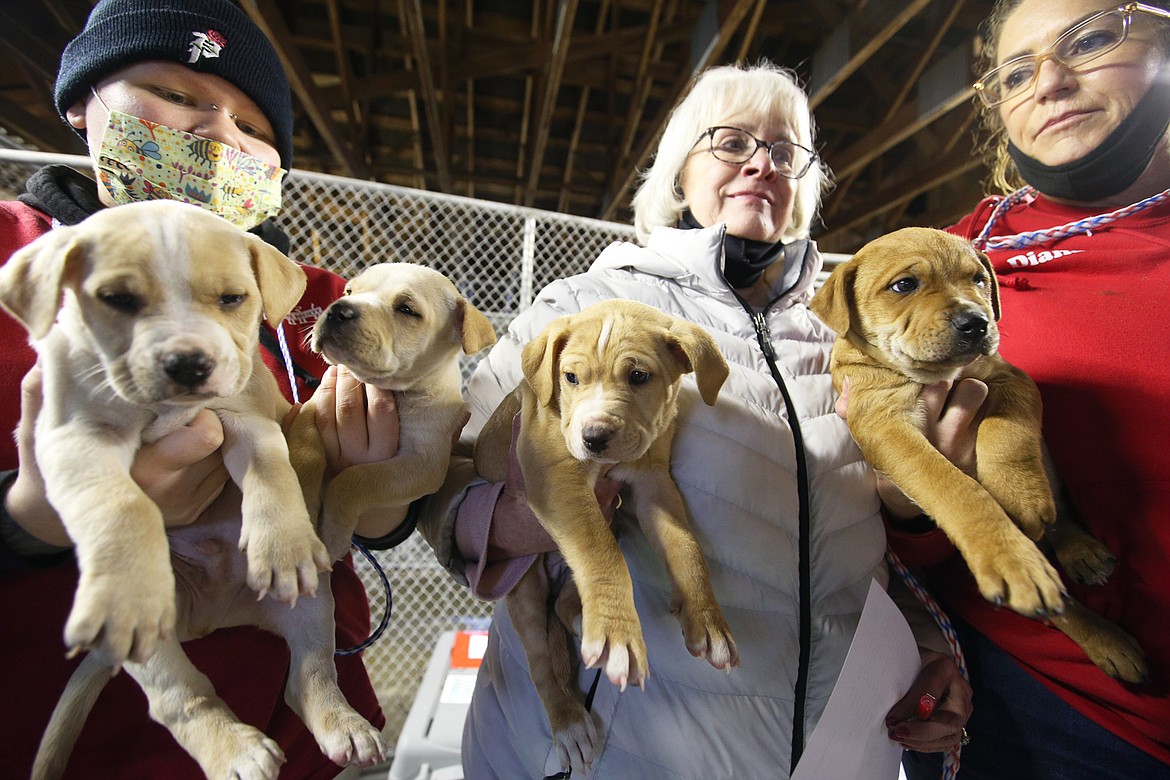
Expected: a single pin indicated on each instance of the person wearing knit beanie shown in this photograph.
(208, 36)
(169, 68)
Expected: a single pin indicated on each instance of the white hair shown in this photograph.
(765, 91)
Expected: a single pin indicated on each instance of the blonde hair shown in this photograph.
(764, 90)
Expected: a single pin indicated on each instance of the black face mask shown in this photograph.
(1115, 164)
(744, 260)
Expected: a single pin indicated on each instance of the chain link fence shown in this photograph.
(498, 256)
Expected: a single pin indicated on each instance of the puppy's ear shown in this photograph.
(695, 350)
(34, 278)
(282, 282)
(541, 360)
(475, 329)
(833, 302)
(992, 283)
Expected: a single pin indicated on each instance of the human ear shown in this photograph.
(76, 115)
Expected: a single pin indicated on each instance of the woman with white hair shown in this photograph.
(777, 492)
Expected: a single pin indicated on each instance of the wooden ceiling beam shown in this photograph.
(566, 14)
(508, 60)
(911, 183)
(411, 13)
(651, 50)
(860, 22)
(50, 136)
(628, 174)
(268, 17)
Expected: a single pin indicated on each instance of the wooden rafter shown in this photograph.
(566, 14)
(872, 42)
(268, 18)
(411, 11)
(629, 173)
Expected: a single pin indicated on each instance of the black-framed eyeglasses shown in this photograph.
(736, 146)
(1080, 44)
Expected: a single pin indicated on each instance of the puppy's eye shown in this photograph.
(231, 300)
(980, 280)
(404, 308)
(639, 377)
(127, 303)
(570, 377)
(904, 285)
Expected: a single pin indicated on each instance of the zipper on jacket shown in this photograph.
(764, 337)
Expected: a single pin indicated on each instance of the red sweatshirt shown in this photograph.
(247, 666)
(1086, 317)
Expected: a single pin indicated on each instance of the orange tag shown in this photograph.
(468, 650)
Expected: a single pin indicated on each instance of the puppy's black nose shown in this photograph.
(970, 324)
(596, 438)
(342, 311)
(189, 369)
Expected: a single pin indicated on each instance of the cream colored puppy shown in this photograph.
(399, 327)
(919, 306)
(141, 316)
(600, 397)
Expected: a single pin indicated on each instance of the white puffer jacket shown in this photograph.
(781, 502)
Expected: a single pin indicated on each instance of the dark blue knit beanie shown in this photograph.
(208, 36)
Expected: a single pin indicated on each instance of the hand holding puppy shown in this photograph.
(182, 472)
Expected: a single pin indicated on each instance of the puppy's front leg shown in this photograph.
(1008, 451)
(307, 454)
(125, 600)
(183, 700)
(1006, 565)
(284, 553)
(662, 516)
(562, 498)
(312, 692)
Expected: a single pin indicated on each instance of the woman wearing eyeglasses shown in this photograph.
(776, 490)
(1077, 101)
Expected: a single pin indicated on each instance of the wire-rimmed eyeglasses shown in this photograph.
(1082, 43)
(736, 146)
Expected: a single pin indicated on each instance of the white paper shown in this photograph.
(850, 742)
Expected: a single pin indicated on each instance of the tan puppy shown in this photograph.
(920, 306)
(400, 327)
(600, 397)
(141, 317)
(156, 308)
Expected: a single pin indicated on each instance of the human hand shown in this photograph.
(931, 716)
(183, 472)
(515, 531)
(26, 502)
(952, 412)
(358, 423)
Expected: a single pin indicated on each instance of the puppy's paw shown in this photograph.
(348, 739)
(122, 616)
(616, 643)
(1016, 574)
(285, 563)
(708, 636)
(1109, 647)
(575, 736)
(1085, 559)
(1029, 503)
(242, 753)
